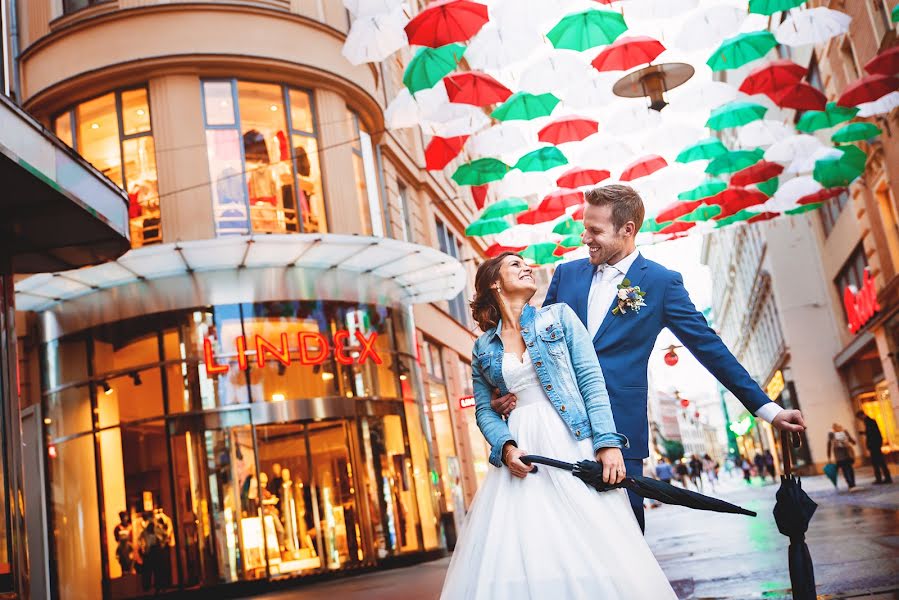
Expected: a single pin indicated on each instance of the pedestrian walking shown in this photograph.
(696, 472)
(710, 466)
(759, 461)
(664, 472)
(874, 441)
(747, 470)
(769, 464)
(683, 473)
(839, 450)
(650, 473)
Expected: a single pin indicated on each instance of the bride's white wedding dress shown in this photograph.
(549, 536)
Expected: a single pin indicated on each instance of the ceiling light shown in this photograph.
(278, 397)
(273, 108)
(327, 376)
(140, 112)
(106, 389)
(95, 126)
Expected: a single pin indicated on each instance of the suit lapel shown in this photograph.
(635, 274)
(584, 279)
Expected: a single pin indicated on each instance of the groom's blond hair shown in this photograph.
(626, 203)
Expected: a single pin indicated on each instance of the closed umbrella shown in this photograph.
(430, 65)
(642, 167)
(523, 106)
(741, 49)
(373, 38)
(707, 189)
(772, 77)
(812, 26)
(441, 151)
(856, 132)
(885, 63)
(628, 52)
(445, 22)
(832, 115)
(568, 129)
(480, 171)
(868, 89)
(705, 149)
(735, 114)
(734, 161)
(769, 7)
(580, 177)
(588, 29)
(479, 194)
(542, 159)
(475, 88)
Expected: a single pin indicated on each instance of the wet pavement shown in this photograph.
(853, 538)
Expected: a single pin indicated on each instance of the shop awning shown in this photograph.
(58, 212)
(246, 269)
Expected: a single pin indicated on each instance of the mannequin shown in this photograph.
(289, 512)
(269, 507)
(274, 485)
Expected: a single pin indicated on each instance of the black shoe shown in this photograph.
(879, 482)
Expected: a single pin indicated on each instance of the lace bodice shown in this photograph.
(519, 374)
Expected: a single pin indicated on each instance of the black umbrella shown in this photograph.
(590, 472)
(792, 512)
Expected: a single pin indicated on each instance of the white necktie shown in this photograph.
(601, 295)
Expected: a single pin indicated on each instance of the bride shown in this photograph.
(545, 535)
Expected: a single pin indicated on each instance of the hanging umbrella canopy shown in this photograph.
(475, 88)
(894, 14)
(543, 253)
(855, 132)
(523, 106)
(364, 8)
(769, 7)
(450, 120)
(759, 172)
(406, 110)
(544, 74)
(642, 167)
(832, 115)
(772, 77)
(542, 159)
(479, 194)
(569, 227)
(676, 210)
(735, 114)
(446, 21)
(734, 199)
(653, 226)
(504, 208)
(373, 38)
(702, 213)
(562, 198)
(881, 106)
(741, 49)
(734, 161)
(803, 209)
(868, 89)
(705, 149)
(764, 132)
(822, 195)
(430, 65)
(763, 216)
(768, 187)
(677, 227)
(628, 52)
(800, 96)
(710, 188)
(840, 172)
(480, 171)
(500, 140)
(535, 216)
(788, 150)
(441, 151)
(483, 227)
(568, 244)
(738, 217)
(568, 129)
(588, 29)
(886, 63)
(495, 250)
(581, 177)
(707, 26)
(812, 26)
(496, 47)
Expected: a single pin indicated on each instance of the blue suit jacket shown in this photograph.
(624, 342)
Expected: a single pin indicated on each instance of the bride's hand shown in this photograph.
(513, 461)
(612, 464)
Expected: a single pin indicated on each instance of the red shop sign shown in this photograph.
(466, 402)
(314, 350)
(860, 305)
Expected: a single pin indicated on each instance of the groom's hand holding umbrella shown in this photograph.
(789, 421)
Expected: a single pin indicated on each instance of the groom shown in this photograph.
(613, 215)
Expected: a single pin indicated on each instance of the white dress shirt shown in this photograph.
(604, 290)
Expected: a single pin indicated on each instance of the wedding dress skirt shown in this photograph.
(549, 536)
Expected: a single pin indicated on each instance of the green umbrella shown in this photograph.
(542, 253)
(522, 106)
(743, 215)
(486, 227)
(542, 159)
(569, 227)
(584, 30)
(855, 132)
(734, 161)
(841, 171)
(741, 49)
(768, 187)
(833, 114)
(894, 16)
(804, 208)
(509, 206)
(571, 241)
(481, 171)
(706, 189)
(769, 7)
(735, 114)
(653, 226)
(430, 65)
(702, 213)
(705, 149)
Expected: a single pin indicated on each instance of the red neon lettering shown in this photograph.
(340, 339)
(212, 367)
(368, 347)
(242, 352)
(861, 305)
(305, 357)
(263, 347)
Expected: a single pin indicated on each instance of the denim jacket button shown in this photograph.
(562, 408)
(578, 433)
(549, 386)
(530, 344)
(539, 363)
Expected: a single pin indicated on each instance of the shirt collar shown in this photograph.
(625, 263)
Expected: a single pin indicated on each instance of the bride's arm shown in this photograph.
(492, 426)
(590, 382)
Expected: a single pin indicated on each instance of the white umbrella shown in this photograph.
(764, 133)
(525, 235)
(789, 149)
(362, 8)
(603, 152)
(700, 95)
(668, 139)
(631, 117)
(451, 120)
(406, 110)
(812, 26)
(589, 93)
(501, 139)
(707, 27)
(658, 9)
(881, 106)
(519, 184)
(373, 38)
(545, 74)
(805, 163)
(789, 193)
(495, 47)
(537, 14)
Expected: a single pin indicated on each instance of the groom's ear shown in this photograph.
(630, 229)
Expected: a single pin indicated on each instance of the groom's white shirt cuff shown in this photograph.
(768, 412)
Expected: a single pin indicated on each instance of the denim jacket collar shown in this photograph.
(527, 315)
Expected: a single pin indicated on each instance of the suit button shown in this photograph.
(549, 386)
(539, 363)
(563, 408)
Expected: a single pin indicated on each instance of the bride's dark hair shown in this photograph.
(485, 305)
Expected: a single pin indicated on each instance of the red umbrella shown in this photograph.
(568, 129)
(474, 87)
(772, 77)
(676, 210)
(496, 249)
(678, 227)
(627, 52)
(537, 215)
(643, 166)
(579, 177)
(562, 250)
(765, 216)
(760, 171)
(822, 195)
(578, 215)
(733, 200)
(885, 63)
(551, 207)
(565, 197)
(441, 151)
(445, 22)
(801, 96)
(868, 89)
(479, 194)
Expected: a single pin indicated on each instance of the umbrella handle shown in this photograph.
(542, 460)
(788, 439)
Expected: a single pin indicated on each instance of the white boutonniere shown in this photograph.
(629, 298)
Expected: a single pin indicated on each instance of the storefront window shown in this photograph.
(442, 428)
(366, 177)
(263, 158)
(479, 449)
(114, 134)
(879, 407)
(70, 6)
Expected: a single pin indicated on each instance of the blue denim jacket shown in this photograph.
(566, 364)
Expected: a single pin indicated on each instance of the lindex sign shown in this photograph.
(313, 350)
(861, 304)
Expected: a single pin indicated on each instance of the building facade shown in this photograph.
(275, 381)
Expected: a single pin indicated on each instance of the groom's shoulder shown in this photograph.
(571, 265)
(660, 270)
